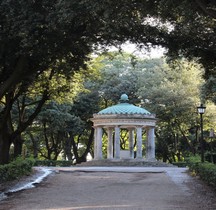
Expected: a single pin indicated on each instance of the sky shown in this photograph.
(131, 48)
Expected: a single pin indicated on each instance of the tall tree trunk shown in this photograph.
(83, 157)
(74, 146)
(34, 144)
(68, 147)
(18, 143)
(90, 140)
(6, 130)
(4, 146)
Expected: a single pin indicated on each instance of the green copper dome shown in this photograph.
(124, 108)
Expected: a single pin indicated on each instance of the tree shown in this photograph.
(173, 96)
(118, 76)
(37, 36)
(169, 90)
(192, 29)
(52, 130)
(85, 105)
(193, 24)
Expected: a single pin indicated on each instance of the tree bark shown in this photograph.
(35, 145)
(74, 146)
(7, 133)
(83, 157)
(18, 143)
(205, 8)
(90, 140)
(68, 147)
(6, 130)
(4, 146)
(15, 77)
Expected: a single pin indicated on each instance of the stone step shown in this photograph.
(126, 163)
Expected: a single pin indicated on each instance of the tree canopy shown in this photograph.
(57, 37)
(38, 36)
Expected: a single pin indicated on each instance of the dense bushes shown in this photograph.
(180, 164)
(206, 171)
(210, 157)
(15, 169)
(21, 167)
(53, 163)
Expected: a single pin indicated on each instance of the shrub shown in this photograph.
(180, 164)
(15, 169)
(193, 162)
(62, 163)
(206, 171)
(209, 156)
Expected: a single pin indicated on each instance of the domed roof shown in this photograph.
(124, 108)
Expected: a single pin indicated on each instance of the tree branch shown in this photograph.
(206, 8)
(15, 78)
(24, 125)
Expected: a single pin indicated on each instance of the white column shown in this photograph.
(139, 142)
(117, 142)
(150, 153)
(131, 142)
(95, 142)
(98, 142)
(110, 143)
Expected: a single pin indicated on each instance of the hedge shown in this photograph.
(62, 163)
(180, 164)
(206, 171)
(16, 169)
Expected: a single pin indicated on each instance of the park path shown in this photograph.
(103, 188)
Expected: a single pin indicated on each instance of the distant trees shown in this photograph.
(37, 37)
(192, 29)
(170, 90)
(56, 38)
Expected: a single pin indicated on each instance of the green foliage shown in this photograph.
(16, 169)
(64, 129)
(53, 163)
(193, 162)
(118, 75)
(210, 157)
(50, 131)
(180, 164)
(171, 91)
(192, 30)
(209, 89)
(206, 171)
(56, 36)
(52, 40)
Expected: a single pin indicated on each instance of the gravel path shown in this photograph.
(153, 189)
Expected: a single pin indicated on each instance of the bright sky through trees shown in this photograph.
(157, 52)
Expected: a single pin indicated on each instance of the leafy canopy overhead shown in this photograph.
(36, 35)
(193, 34)
(40, 38)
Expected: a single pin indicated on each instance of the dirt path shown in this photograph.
(71, 190)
